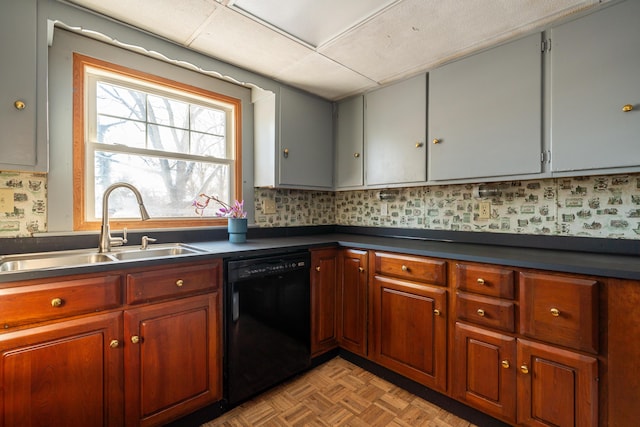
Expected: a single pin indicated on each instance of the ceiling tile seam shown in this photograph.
(198, 31)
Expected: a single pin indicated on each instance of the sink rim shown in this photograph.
(54, 260)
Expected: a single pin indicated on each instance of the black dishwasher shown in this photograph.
(267, 322)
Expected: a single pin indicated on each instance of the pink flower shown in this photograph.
(236, 210)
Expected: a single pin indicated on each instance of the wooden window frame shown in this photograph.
(80, 223)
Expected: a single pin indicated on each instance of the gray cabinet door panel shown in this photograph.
(595, 71)
(349, 143)
(18, 21)
(486, 113)
(395, 129)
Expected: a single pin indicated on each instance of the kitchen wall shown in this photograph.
(599, 206)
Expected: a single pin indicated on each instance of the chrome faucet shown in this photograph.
(106, 241)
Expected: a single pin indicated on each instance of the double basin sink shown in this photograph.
(83, 257)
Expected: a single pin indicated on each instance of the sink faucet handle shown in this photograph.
(118, 241)
(146, 240)
(124, 235)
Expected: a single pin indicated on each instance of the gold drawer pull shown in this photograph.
(318, 268)
(480, 312)
(524, 369)
(114, 343)
(627, 108)
(505, 364)
(405, 268)
(555, 312)
(57, 302)
(436, 312)
(179, 283)
(436, 141)
(135, 339)
(361, 270)
(480, 281)
(356, 155)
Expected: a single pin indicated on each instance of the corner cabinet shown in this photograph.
(23, 144)
(324, 288)
(293, 141)
(349, 143)
(395, 127)
(595, 91)
(352, 301)
(485, 113)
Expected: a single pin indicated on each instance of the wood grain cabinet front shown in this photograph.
(352, 301)
(324, 287)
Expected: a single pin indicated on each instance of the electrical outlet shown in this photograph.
(485, 210)
(384, 209)
(268, 206)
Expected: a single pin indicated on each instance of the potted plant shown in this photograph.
(235, 214)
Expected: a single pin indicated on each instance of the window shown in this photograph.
(170, 140)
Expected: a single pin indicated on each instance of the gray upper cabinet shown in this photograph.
(395, 130)
(21, 147)
(595, 73)
(349, 143)
(485, 114)
(293, 141)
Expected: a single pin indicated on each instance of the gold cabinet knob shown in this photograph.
(480, 281)
(405, 268)
(436, 141)
(627, 108)
(135, 339)
(318, 268)
(419, 144)
(20, 105)
(114, 343)
(356, 155)
(480, 312)
(361, 270)
(285, 153)
(179, 283)
(436, 312)
(56, 302)
(505, 364)
(555, 312)
(524, 369)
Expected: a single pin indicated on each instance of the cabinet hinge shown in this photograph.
(545, 46)
(545, 157)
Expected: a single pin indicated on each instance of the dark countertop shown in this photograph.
(606, 265)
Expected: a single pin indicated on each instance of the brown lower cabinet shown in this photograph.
(352, 301)
(81, 351)
(324, 287)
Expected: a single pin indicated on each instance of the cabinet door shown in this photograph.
(594, 74)
(306, 140)
(395, 129)
(352, 301)
(173, 359)
(556, 387)
(18, 21)
(484, 371)
(485, 113)
(349, 143)
(324, 285)
(409, 330)
(67, 373)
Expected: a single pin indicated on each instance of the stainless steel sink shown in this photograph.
(129, 254)
(83, 257)
(51, 260)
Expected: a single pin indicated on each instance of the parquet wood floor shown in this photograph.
(337, 393)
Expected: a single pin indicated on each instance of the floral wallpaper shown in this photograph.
(595, 206)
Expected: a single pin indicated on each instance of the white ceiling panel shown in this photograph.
(336, 48)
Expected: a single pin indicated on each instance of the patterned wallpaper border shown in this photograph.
(595, 206)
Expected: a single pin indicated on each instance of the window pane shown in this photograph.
(168, 139)
(168, 186)
(118, 101)
(168, 112)
(207, 120)
(208, 145)
(112, 130)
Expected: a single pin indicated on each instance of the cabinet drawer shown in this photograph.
(560, 310)
(172, 282)
(485, 311)
(492, 281)
(418, 269)
(53, 300)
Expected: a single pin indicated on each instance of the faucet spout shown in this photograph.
(105, 232)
